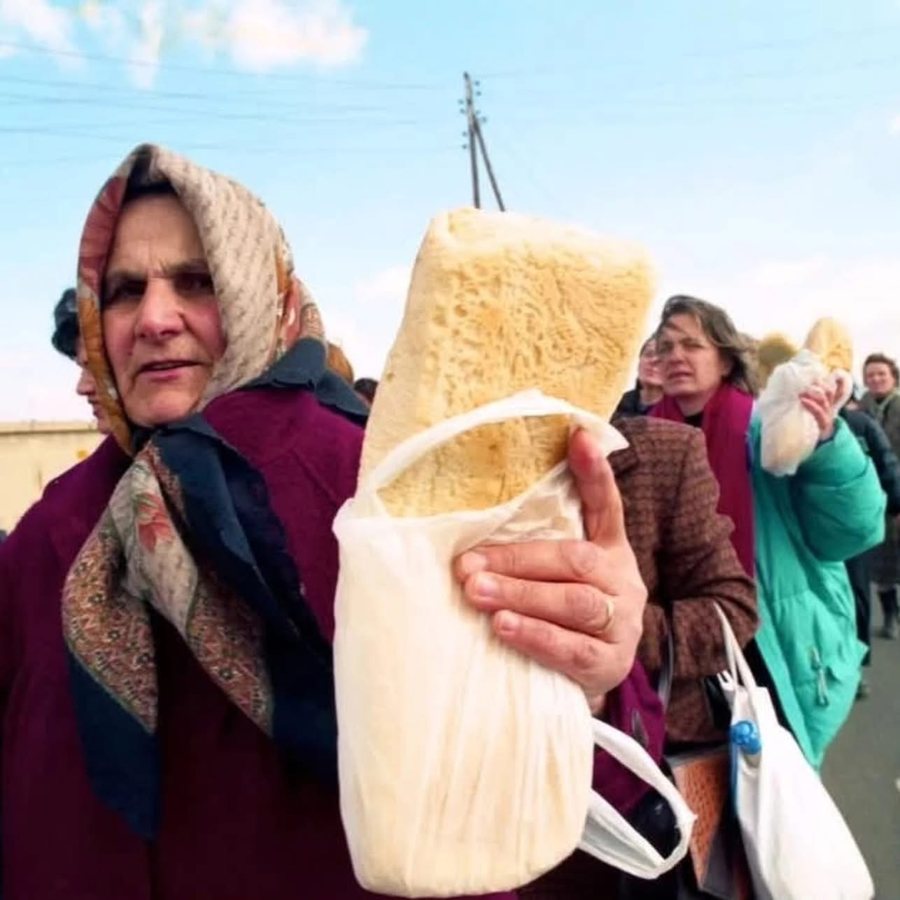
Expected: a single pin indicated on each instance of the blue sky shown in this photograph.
(751, 146)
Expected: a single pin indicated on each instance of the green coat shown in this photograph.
(806, 526)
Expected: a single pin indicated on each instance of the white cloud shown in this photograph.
(386, 287)
(365, 328)
(38, 21)
(784, 273)
(261, 35)
(894, 125)
(257, 35)
(145, 53)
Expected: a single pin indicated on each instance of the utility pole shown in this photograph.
(472, 122)
(487, 165)
(473, 133)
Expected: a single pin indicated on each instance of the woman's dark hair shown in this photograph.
(144, 183)
(720, 330)
(650, 340)
(65, 324)
(884, 360)
(366, 387)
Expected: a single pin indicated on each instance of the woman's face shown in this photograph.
(87, 388)
(649, 371)
(692, 366)
(879, 379)
(161, 323)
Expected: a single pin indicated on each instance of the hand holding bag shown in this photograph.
(464, 767)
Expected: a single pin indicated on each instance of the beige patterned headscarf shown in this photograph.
(248, 256)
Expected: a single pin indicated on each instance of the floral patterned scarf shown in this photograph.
(189, 496)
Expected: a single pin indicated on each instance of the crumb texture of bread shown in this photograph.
(499, 303)
(832, 343)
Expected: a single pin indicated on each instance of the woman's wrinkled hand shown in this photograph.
(574, 606)
(819, 401)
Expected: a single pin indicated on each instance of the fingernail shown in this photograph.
(487, 586)
(471, 562)
(506, 623)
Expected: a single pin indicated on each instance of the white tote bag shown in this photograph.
(797, 843)
(464, 767)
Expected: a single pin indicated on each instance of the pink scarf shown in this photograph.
(726, 421)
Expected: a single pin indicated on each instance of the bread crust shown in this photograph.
(500, 303)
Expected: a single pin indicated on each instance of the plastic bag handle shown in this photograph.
(526, 404)
(737, 662)
(633, 853)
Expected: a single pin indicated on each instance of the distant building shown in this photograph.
(33, 454)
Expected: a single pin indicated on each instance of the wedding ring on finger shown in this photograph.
(610, 615)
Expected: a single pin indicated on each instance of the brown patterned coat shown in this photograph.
(686, 559)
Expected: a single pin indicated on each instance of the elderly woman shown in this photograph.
(793, 532)
(882, 400)
(168, 722)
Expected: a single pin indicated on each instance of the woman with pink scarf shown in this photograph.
(791, 533)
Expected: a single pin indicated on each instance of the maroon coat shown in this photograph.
(236, 824)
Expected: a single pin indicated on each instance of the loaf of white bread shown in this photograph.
(499, 303)
(831, 342)
(790, 433)
(465, 767)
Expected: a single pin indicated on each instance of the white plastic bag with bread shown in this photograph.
(789, 432)
(464, 767)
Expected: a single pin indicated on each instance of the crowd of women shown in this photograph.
(168, 722)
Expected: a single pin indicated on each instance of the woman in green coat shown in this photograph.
(806, 526)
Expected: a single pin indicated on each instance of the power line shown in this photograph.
(207, 70)
(274, 113)
(727, 52)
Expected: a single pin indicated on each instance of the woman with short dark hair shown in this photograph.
(882, 400)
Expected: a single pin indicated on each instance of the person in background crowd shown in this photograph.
(882, 401)
(65, 324)
(794, 533)
(366, 388)
(876, 445)
(648, 389)
(166, 691)
(772, 351)
(66, 339)
(337, 361)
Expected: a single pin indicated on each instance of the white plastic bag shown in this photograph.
(464, 767)
(789, 432)
(797, 843)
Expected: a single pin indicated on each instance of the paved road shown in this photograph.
(862, 770)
